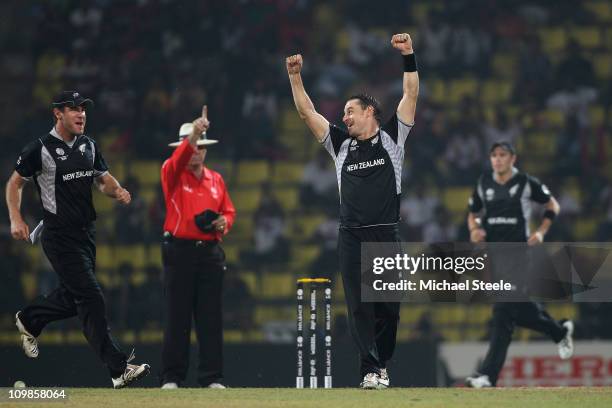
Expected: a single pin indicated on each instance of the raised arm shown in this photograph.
(318, 125)
(172, 168)
(407, 106)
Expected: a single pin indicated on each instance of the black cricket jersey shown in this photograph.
(63, 175)
(369, 173)
(507, 207)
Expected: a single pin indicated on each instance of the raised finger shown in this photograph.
(205, 111)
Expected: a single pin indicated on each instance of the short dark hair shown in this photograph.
(507, 146)
(366, 100)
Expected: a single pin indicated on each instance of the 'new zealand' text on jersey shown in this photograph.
(507, 207)
(369, 173)
(63, 175)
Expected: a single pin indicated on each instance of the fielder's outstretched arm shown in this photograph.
(318, 125)
(407, 106)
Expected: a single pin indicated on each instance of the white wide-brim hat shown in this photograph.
(185, 130)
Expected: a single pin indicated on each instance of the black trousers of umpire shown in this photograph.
(505, 317)
(72, 253)
(193, 286)
(373, 325)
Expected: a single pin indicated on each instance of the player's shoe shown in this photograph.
(566, 345)
(370, 381)
(169, 386)
(28, 342)
(480, 381)
(383, 379)
(216, 385)
(133, 372)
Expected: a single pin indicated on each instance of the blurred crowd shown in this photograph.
(523, 71)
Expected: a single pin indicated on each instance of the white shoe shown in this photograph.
(132, 373)
(383, 379)
(482, 381)
(169, 386)
(28, 342)
(216, 385)
(566, 345)
(370, 381)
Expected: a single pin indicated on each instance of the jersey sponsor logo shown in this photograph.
(77, 175)
(502, 221)
(489, 194)
(365, 164)
(375, 140)
(82, 149)
(513, 190)
(19, 160)
(60, 151)
(353, 145)
(545, 189)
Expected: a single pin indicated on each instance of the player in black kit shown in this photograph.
(64, 164)
(500, 209)
(368, 158)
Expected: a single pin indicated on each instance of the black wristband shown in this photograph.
(550, 214)
(410, 63)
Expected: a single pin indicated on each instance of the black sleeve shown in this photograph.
(539, 192)
(397, 129)
(334, 139)
(99, 164)
(30, 161)
(475, 203)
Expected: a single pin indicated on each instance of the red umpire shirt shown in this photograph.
(186, 196)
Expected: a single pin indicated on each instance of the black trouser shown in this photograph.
(373, 325)
(505, 317)
(193, 286)
(72, 252)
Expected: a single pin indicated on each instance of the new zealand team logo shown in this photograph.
(490, 193)
(513, 190)
(82, 149)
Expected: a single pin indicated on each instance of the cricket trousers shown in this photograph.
(193, 289)
(72, 253)
(506, 316)
(373, 325)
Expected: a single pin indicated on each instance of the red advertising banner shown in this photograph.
(536, 364)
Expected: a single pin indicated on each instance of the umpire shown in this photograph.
(64, 164)
(199, 212)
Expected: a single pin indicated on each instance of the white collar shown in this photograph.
(54, 133)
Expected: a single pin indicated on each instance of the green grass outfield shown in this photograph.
(341, 397)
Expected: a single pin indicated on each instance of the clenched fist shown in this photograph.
(123, 196)
(403, 43)
(294, 64)
(20, 230)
